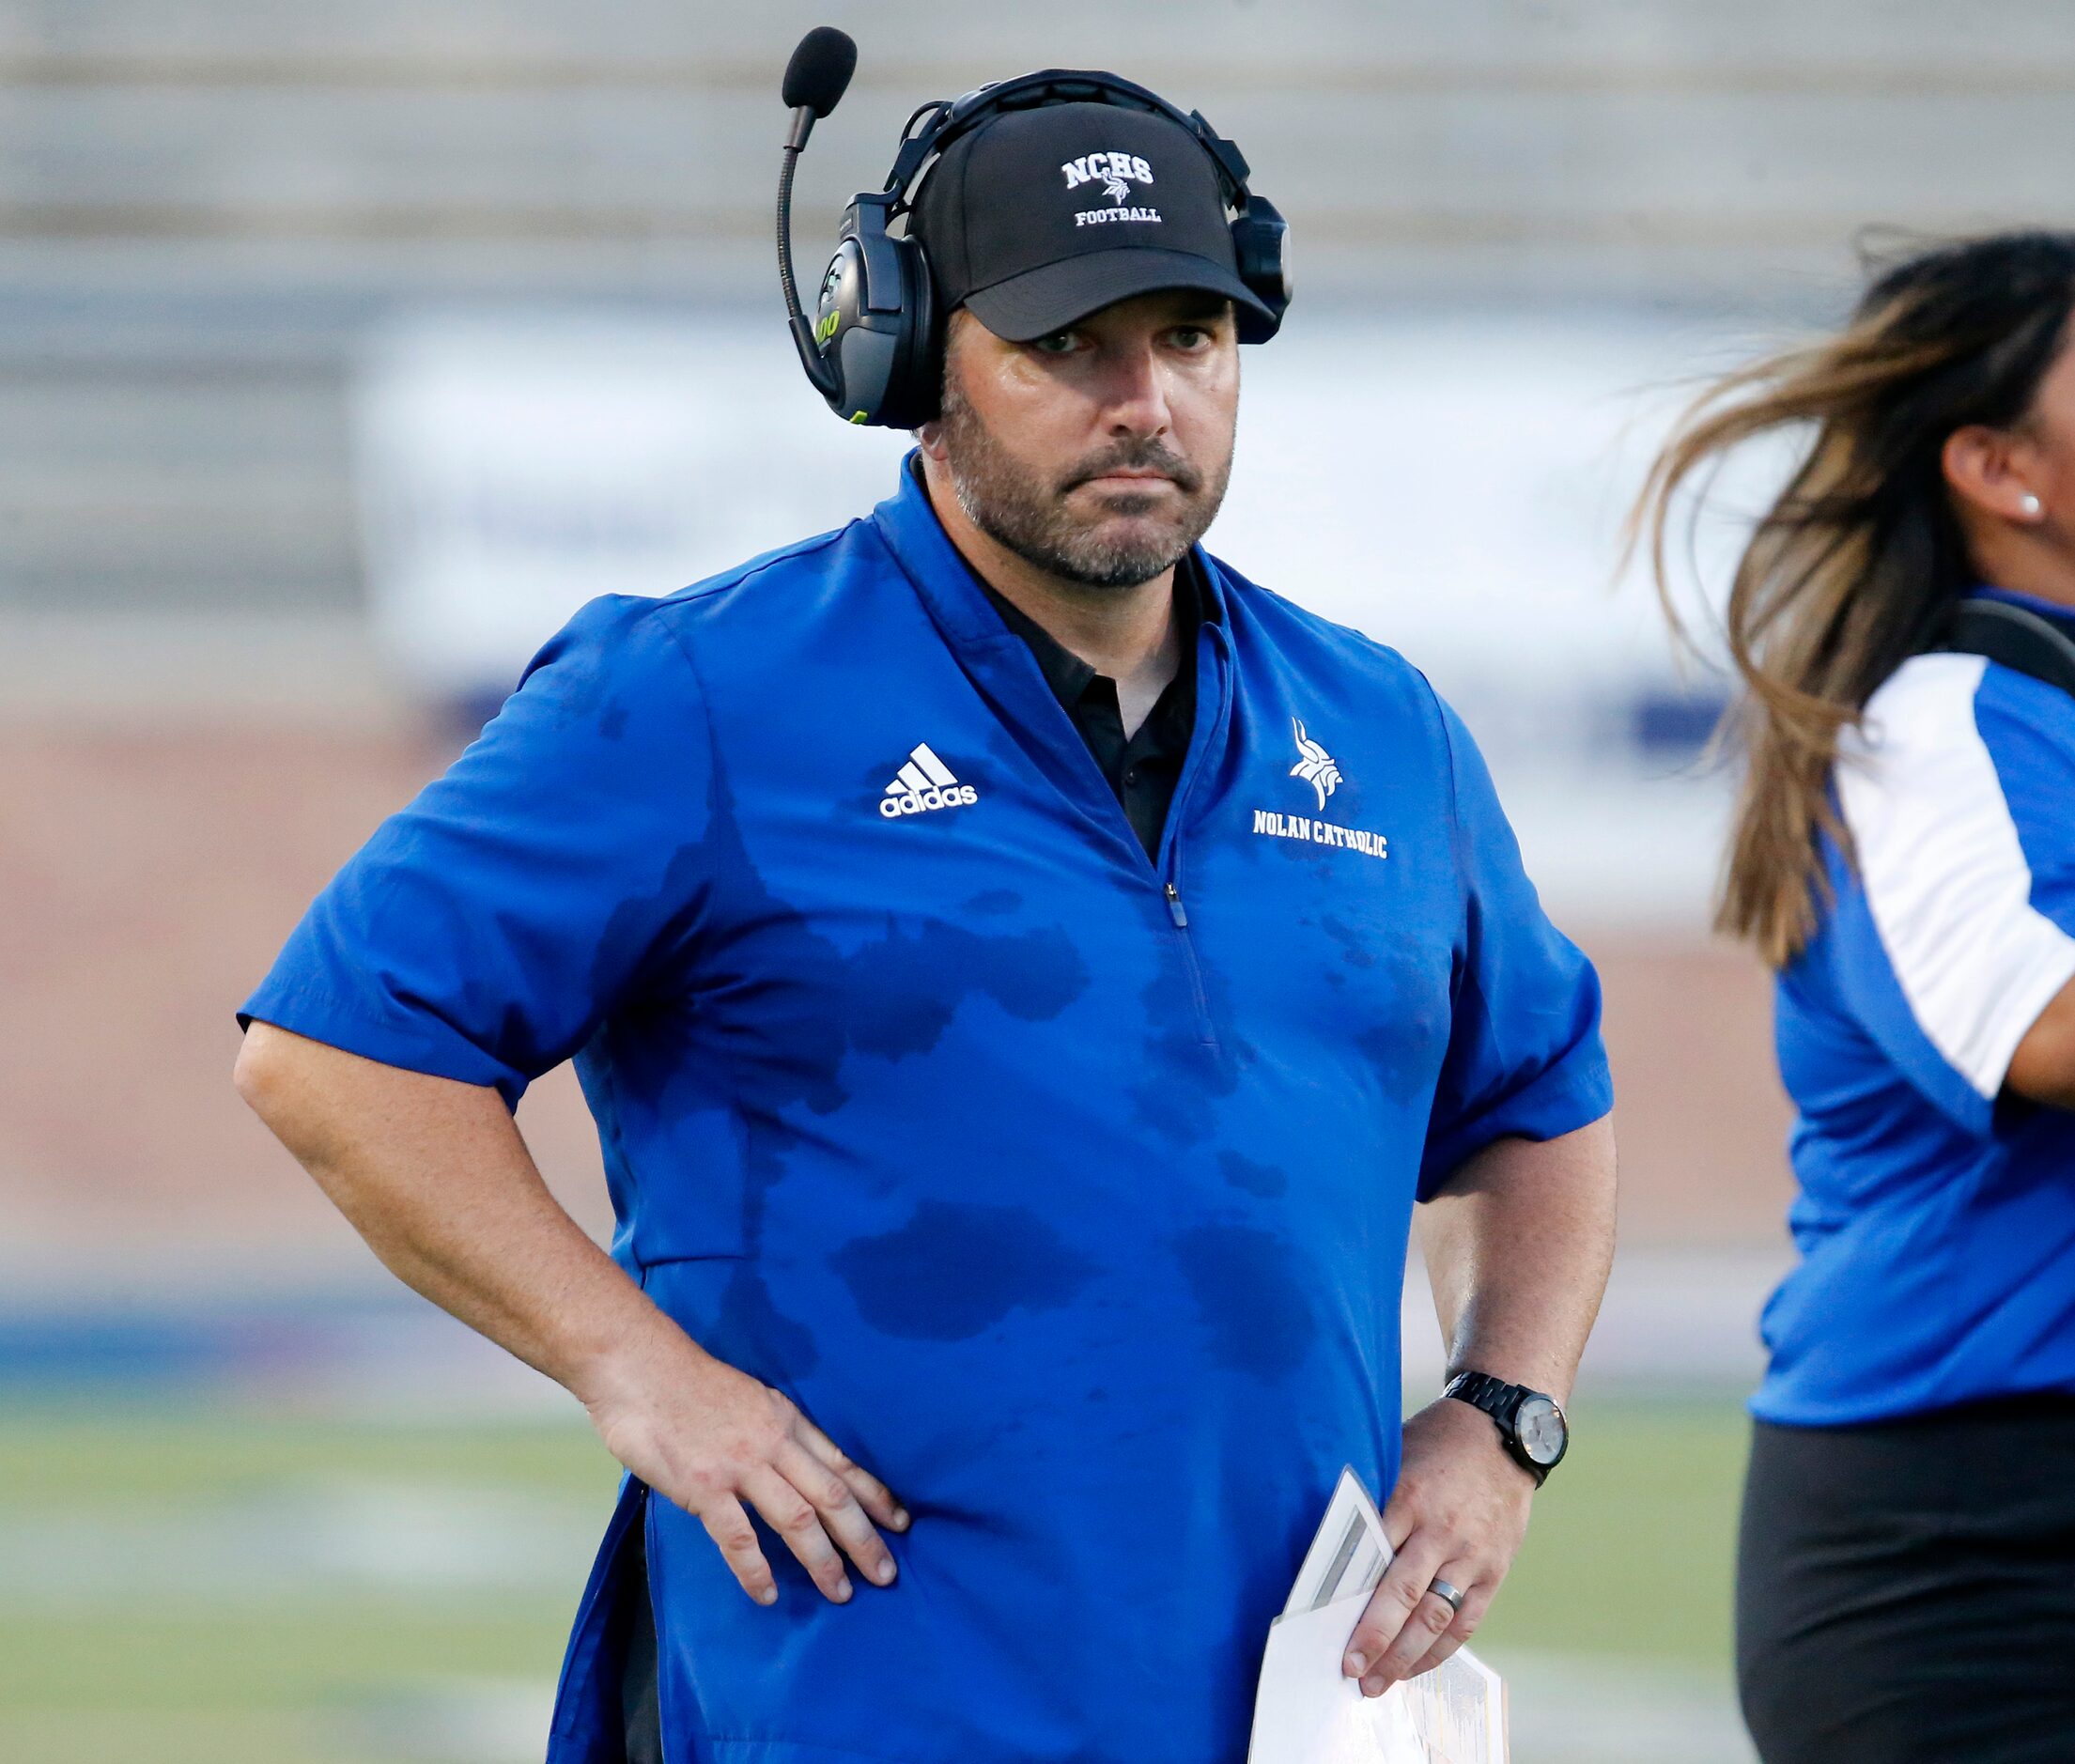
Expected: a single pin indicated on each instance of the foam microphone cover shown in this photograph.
(820, 70)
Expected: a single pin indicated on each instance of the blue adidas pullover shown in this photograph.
(1066, 1190)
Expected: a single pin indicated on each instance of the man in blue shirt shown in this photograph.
(1025, 975)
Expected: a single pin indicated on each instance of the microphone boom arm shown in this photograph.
(817, 370)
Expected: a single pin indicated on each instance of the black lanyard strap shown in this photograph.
(2016, 637)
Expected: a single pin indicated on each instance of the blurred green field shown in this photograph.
(180, 1586)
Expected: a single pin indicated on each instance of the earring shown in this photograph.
(2031, 506)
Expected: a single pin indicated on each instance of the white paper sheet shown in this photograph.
(1307, 1711)
(1348, 1554)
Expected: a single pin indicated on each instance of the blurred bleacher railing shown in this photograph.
(203, 208)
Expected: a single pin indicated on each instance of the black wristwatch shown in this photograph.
(1528, 1421)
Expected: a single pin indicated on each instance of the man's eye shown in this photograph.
(1190, 336)
(1059, 343)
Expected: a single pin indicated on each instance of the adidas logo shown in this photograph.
(925, 782)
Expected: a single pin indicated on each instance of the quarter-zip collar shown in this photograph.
(1002, 668)
(1142, 769)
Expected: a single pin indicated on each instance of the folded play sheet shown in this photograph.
(1305, 1713)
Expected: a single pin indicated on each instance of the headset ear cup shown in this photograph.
(835, 307)
(1260, 249)
(916, 387)
(876, 323)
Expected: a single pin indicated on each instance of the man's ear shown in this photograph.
(1991, 471)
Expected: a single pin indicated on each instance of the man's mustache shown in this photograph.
(1146, 455)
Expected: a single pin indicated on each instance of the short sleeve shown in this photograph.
(1956, 793)
(1524, 1056)
(484, 932)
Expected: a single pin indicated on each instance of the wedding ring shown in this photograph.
(1441, 1589)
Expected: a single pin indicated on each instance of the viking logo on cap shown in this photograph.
(1115, 171)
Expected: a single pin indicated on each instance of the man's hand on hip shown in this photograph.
(1458, 1514)
(716, 1441)
(434, 1174)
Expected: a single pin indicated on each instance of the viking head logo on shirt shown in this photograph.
(1314, 764)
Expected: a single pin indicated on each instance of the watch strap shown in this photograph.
(1501, 1402)
(1494, 1396)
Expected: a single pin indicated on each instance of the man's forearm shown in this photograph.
(435, 1176)
(1517, 1248)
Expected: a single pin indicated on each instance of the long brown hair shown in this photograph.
(1856, 565)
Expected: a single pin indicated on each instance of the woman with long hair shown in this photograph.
(1902, 625)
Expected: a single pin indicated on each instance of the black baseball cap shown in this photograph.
(1039, 217)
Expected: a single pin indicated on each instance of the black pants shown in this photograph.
(1906, 1591)
(634, 1634)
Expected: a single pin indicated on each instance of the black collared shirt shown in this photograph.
(1143, 769)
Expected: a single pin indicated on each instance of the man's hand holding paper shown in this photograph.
(1457, 1515)
(1308, 1711)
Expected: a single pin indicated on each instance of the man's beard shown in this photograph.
(1014, 504)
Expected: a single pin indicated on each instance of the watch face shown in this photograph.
(1540, 1425)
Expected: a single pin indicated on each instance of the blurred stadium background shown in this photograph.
(343, 350)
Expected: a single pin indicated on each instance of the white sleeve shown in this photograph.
(1945, 874)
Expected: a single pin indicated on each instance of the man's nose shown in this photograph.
(1135, 390)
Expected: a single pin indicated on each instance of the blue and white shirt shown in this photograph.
(1936, 1218)
(1066, 1189)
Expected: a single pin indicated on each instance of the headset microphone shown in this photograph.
(819, 73)
(815, 79)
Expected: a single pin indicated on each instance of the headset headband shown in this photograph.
(943, 121)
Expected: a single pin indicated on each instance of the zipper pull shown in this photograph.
(1174, 907)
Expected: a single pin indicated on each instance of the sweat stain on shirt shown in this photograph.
(957, 1268)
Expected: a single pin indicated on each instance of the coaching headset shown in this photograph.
(873, 350)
